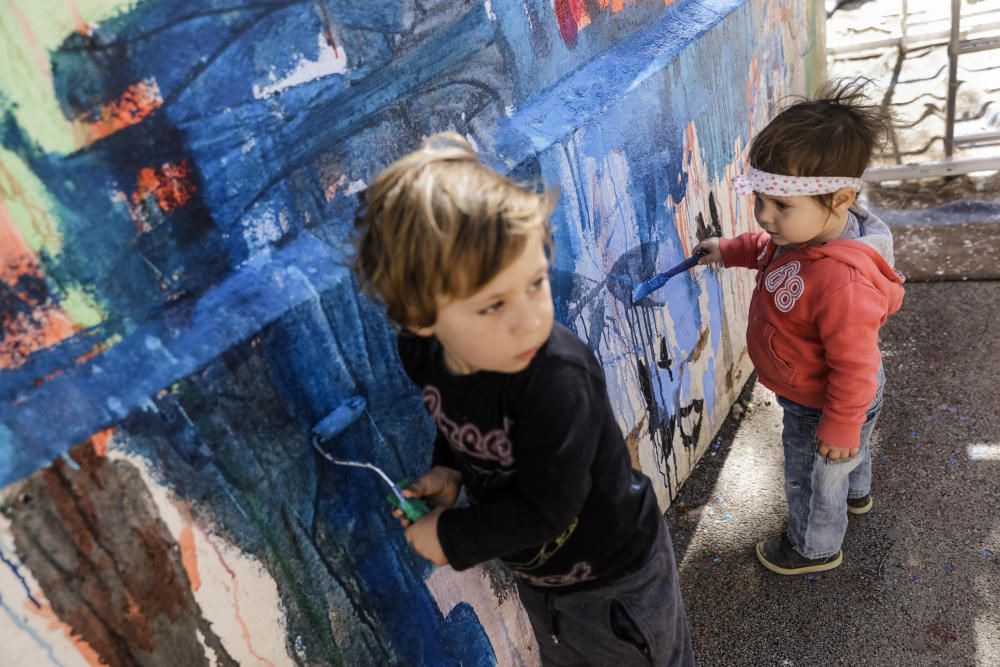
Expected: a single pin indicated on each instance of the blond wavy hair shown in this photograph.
(438, 224)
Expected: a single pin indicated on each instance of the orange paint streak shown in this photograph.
(753, 86)
(85, 649)
(133, 106)
(101, 440)
(38, 52)
(245, 631)
(732, 215)
(46, 324)
(579, 12)
(81, 26)
(169, 184)
(42, 380)
(189, 557)
(93, 352)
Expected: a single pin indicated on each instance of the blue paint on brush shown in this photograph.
(647, 287)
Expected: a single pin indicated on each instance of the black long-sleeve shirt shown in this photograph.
(550, 484)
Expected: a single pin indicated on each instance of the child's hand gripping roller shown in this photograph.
(343, 416)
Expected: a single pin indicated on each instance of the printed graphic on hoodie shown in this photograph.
(786, 284)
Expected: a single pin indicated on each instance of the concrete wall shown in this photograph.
(179, 181)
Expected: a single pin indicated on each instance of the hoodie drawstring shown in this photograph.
(550, 605)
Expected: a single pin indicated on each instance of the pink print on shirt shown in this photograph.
(580, 572)
(467, 438)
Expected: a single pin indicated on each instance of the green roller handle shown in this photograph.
(413, 508)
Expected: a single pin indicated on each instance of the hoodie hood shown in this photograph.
(870, 255)
(875, 233)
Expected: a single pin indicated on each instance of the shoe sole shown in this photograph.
(860, 510)
(777, 569)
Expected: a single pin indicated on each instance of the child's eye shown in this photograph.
(492, 308)
(537, 285)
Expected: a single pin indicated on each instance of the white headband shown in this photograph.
(791, 186)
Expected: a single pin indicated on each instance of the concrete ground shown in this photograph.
(920, 583)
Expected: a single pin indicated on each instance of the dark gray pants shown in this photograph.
(636, 620)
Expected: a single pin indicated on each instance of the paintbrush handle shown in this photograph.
(647, 287)
(682, 267)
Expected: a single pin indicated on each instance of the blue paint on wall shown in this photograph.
(13, 567)
(19, 623)
(240, 324)
(158, 353)
(583, 94)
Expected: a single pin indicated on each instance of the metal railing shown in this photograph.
(959, 41)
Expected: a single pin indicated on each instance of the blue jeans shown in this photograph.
(816, 489)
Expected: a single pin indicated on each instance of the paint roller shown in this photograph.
(334, 423)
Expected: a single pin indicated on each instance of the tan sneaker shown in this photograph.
(780, 556)
(860, 505)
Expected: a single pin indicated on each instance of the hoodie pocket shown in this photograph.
(626, 629)
(764, 356)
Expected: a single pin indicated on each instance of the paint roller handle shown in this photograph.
(413, 508)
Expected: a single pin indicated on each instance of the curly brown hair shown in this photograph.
(439, 224)
(836, 133)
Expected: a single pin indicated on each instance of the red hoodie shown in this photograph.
(813, 327)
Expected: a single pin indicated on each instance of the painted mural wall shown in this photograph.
(178, 188)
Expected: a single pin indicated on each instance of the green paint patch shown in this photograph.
(29, 33)
(29, 205)
(83, 310)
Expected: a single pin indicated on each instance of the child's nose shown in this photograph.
(527, 318)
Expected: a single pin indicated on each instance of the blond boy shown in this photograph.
(460, 256)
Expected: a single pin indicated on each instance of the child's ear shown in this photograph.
(425, 332)
(416, 329)
(844, 198)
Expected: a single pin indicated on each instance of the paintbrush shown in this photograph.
(647, 287)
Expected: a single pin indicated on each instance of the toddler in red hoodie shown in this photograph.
(825, 285)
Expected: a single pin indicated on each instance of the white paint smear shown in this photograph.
(330, 61)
